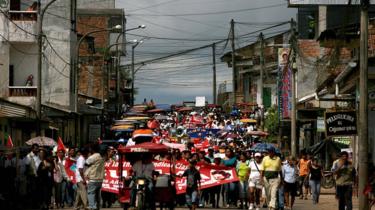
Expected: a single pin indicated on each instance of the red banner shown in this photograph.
(210, 175)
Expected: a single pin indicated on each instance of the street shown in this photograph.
(327, 202)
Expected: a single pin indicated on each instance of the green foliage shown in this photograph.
(271, 121)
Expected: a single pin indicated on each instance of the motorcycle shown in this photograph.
(328, 180)
(140, 200)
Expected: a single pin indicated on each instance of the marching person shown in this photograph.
(81, 194)
(32, 162)
(45, 179)
(243, 171)
(60, 178)
(290, 174)
(255, 182)
(303, 165)
(94, 176)
(345, 179)
(270, 170)
(193, 184)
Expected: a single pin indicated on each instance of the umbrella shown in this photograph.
(147, 147)
(257, 133)
(42, 141)
(155, 111)
(264, 147)
(161, 117)
(185, 109)
(248, 120)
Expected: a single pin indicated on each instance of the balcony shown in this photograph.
(25, 95)
(23, 26)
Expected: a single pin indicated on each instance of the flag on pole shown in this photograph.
(10, 142)
(60, 145)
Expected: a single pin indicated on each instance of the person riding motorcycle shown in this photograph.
(144, 168)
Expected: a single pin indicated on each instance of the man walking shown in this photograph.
(193, 182)
(345, 178)
(32, 162)
(270, 170)
(304, 165)
(94, 175)
(81, 195)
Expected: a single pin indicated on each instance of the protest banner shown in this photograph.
(211, 175)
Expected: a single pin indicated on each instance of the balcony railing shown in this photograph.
(23, 15)
(22, 91)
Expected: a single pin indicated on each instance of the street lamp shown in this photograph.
(76, 74)
(133, 71)
(118, 62)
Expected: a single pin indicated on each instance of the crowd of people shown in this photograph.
(39, 177)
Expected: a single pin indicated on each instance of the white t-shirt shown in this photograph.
(80, 165)
(254, 172)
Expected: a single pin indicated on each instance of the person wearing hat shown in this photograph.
(193, 184)
(270, 170)
(255, 181)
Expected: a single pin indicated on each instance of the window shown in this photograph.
(23, 10)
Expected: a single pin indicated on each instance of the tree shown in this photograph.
(271, 121)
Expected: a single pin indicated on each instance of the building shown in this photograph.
(248, 67)
(328, 71)
(102, 83)
(18, 69)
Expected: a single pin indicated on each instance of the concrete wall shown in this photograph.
(56, 61)
(4, 57)
(95, 4)
(24, 65)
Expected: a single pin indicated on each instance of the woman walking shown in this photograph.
(255, 182)
(243, 172)
(316, 174)
(45, 179)
(290, 174)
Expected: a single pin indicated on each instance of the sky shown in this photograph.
(177, 25)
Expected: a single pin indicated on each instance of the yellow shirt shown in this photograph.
(243, 171)
(270, 164)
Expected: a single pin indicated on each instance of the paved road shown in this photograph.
(327, 202)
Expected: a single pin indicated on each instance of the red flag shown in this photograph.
(60, 145)
(10, 142)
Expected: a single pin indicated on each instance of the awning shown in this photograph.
(14, 110)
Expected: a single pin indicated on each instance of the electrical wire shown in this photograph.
(210, 13)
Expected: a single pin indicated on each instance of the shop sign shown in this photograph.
(341, 123)
(320, 126)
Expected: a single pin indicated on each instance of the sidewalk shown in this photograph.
(327, 201)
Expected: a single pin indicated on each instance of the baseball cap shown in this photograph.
(258, 154)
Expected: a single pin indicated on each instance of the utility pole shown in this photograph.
(233, 61)
(214, 73)
(261, 38)
(133, 76)
(40, 17)
(39, 84)
(293, 116)
(363, 107)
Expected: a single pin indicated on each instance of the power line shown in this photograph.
(154, 5)
(210, 13)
